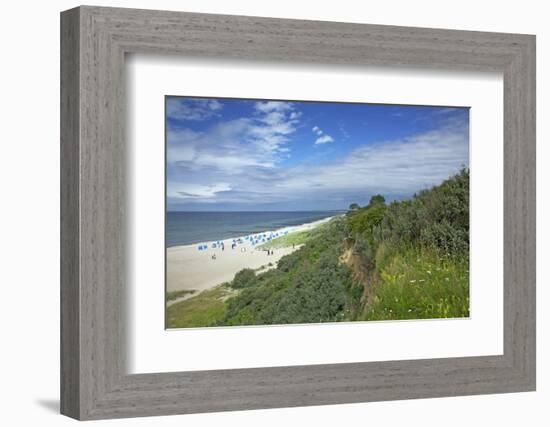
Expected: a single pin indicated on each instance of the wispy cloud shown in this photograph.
(229, 148)
(343, 131)
(324, 139)
(196, 191)
(394, 167)
(448, 110)
(192, 109)
(273, 106)
(237, 163)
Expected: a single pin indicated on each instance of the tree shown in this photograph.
(378, 199)
(354, 207)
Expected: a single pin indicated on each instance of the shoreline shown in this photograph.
(191, 268)
(237, 235)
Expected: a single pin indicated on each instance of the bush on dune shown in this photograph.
(421, 250)
(438, 218)
(308, 286)
(243, 278)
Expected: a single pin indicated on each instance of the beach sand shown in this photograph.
(187, 268)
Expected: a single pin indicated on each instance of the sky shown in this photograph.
(266, 155)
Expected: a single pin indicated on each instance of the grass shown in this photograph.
(174, 295)
(297, 238)
(201, 310)
(417, 284)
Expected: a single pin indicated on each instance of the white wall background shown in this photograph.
(29, 212)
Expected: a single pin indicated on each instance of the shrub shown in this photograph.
(243, 278)
(364, 220)
(438, 218)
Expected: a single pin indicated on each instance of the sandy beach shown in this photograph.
(188, 268)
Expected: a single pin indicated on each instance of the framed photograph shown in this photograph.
(291, 212)
(262, 213)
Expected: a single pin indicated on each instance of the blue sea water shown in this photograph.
(184, 228)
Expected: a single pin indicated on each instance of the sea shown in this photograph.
(185, 228)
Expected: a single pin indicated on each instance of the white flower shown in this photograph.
(428, 271)
(412, 281)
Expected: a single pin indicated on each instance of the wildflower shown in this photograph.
(409, 310)
(412, 281)
(446, 279)
(428, 271)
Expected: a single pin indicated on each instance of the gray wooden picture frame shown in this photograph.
(94, 381)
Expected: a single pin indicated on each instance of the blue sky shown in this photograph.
(246, 155)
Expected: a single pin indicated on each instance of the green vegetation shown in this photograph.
(174, 295)
(243, 278)
(308, 286)
(298, 238)
(201, 310)
(404, 260)
(418, 284)
(417, 253)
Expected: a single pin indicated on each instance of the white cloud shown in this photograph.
(324, 139)
(196, 191)
(393, 167)
(193, 109)
(317, 130)
(235, 164)
(273, 106)
(232, 146)
(447, 110)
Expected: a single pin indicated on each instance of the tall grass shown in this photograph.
(204, 309)
(419, 284)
